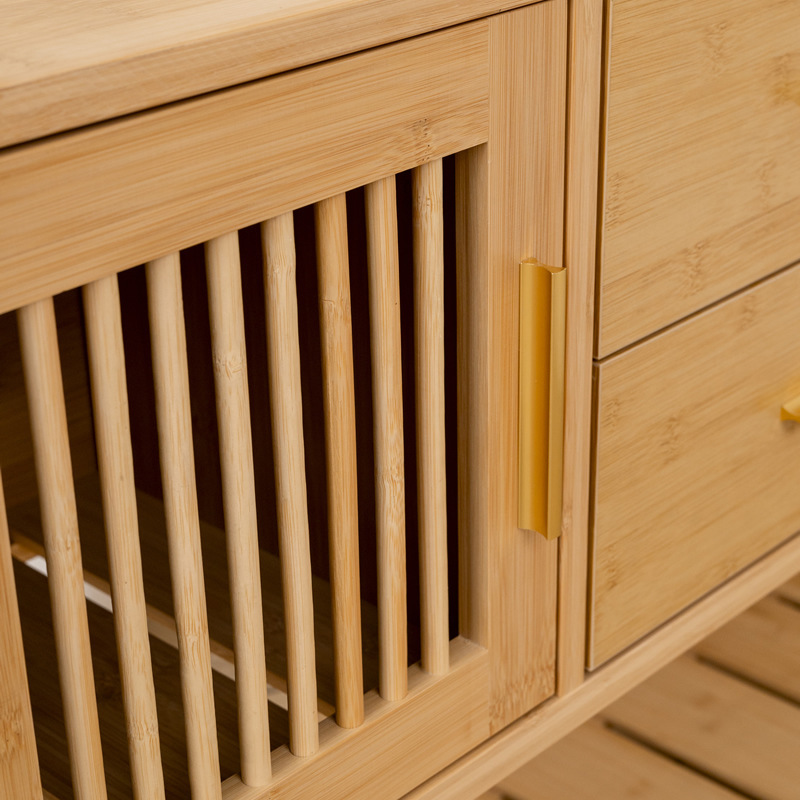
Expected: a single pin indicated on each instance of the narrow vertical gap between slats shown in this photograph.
(115, 463)
(340, 450)
(287, 434)
(45, 390)
(384, 302)
(173, 416)
(428, 223)
(226, 312)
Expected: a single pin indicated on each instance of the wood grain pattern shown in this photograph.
(340, 453)
(115, 462)
(596, 763)
(233, 159)
(582, 156)
(173, 413)
(702, 158)
(290, 479)
(398, 746)
(44, 387)
(428, 221)
(387, 401)
(522, 740)
(700, 715)
(72, 66)
(525, 212)
(791, 590)
(19, 762)
(762, 645)
(696, 475)
(229, 355)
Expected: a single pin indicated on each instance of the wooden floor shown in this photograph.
(721, 722)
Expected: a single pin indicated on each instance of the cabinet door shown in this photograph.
(386, 200)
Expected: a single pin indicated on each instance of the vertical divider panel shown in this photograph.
(387, 401)
(283, 350)
(340, 431)
(115, 462)
(429, 359)
(229, 355)
(173, 416)
(42, 368)
(19, 764)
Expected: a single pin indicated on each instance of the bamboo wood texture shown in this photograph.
(400, 743)
(115, 464)
(428, 221)
(80, 64)
(597, 763)
(42, 367)
(522, 740)
(387, 402)
(340, 450)
(696, 475)
(173, 414)
(701, 103)
(580, 234)
(226, 312)
(290, 479)
(233, 159)
(702, 716)
(19, 763)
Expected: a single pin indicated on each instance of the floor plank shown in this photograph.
(762, 645)
(791, 590)
(720, 725)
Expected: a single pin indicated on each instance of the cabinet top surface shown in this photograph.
(64, 65)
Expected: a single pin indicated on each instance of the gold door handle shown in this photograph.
(542, 332)
(791, 410)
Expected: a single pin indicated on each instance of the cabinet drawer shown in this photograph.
(702, 174)
(696, 473)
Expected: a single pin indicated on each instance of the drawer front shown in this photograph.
(702, 176)
(696, 473)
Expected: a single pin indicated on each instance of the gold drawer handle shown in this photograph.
(791, 410)
(542, 331)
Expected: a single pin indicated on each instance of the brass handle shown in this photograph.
(791, 410)
(542, 332)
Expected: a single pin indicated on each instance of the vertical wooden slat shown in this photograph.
(115, 462)
(42, 367)
(19, 765)
(283, 349)
(340, 449)
(387, 402)
(173, 416)
(239, 499)
(429, 360)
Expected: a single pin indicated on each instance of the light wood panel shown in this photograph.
(387, 401)
(582, 156)
(340, 454)
(702, 157)
(398, 746)
(173, 414)
(233, 159)
(522, 740)
(525, 193)
(115, 460)
(696, 475)
(280, 269)
(428, 222)
(791, 590)
(45, 391)
(19, 763)
(702, 716)
(596, 763)
(229, 355)
(71, 65)
(762, 645)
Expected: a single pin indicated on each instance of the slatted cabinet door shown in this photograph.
(79, 208)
